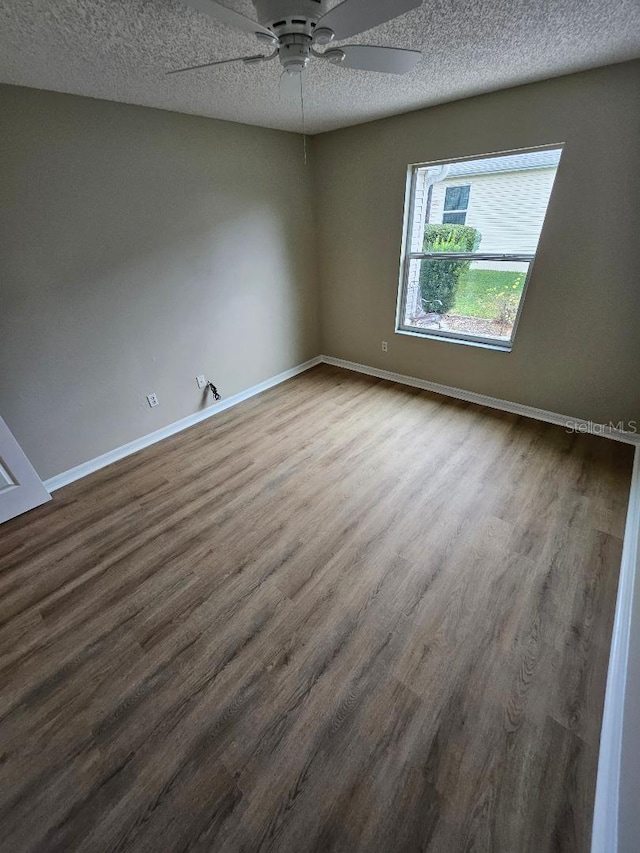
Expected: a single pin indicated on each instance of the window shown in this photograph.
(456, 202)
(471, 236)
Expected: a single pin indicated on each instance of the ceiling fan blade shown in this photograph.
(227, 16)
(247, 59)
(389, 60)
(355, 16)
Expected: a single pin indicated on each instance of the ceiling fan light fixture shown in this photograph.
(267, 39)
(294, 51)
(335, 56)
(323, 35)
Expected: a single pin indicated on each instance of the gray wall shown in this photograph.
(141, 247)
(138, 249)
(577, 348)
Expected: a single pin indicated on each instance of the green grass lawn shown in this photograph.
(482, 292)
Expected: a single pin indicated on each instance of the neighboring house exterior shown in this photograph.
(505, 198)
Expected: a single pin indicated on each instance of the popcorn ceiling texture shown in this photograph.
(120, 49)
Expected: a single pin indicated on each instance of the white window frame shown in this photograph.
(503, 345)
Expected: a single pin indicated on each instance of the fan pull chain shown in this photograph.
(304, 135)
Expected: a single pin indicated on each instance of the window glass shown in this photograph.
(456, 198)
(491, 210)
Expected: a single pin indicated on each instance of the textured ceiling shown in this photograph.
(120, 49)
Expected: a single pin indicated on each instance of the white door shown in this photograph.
(20, 487)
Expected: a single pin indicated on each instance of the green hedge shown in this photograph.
(439, 279)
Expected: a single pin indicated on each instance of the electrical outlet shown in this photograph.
(201, 380)
(152, 400)
(385, 346)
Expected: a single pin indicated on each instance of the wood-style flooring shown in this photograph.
(343, 616)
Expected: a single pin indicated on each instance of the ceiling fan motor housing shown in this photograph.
(290, 16)
(293, 23)
(294, 52)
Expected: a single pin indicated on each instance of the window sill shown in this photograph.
(434, 336)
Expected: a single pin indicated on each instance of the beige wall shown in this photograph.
(138, 249)
(577, 349)
(141, 247)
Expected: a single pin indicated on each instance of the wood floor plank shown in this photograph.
(345, 615)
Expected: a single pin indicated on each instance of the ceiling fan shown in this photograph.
(294, 29)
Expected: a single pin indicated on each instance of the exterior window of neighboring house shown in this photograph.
(471, 234)
(456, 202)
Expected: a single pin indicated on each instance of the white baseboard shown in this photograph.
(86, 468)
(607, 815)
(578, 424)
(105, 459)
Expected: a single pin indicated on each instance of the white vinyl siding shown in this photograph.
(506, 207)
